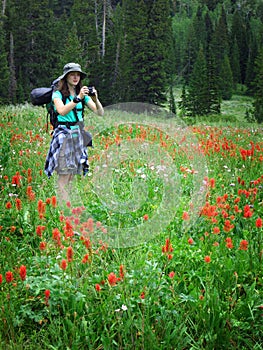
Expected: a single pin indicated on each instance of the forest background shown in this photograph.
(137, 50)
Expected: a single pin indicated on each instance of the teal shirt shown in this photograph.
(70, 117)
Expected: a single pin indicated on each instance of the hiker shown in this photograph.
(68, 153)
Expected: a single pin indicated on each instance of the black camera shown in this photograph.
(91, 91)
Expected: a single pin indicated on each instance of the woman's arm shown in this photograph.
(63, 109)
(94, 103)
(96, 106)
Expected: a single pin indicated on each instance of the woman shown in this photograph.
(68, 154)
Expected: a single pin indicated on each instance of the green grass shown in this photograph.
(143, 275)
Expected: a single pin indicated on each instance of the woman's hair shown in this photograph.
(63, 87)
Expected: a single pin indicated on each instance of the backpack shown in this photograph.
(43, 97)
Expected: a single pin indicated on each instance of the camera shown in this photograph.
(91, 91)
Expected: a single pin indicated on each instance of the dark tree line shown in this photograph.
(136, 50)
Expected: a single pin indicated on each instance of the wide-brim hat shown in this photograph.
(72, 67)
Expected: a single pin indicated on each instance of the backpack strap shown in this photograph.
(74, 110)
(52, 114)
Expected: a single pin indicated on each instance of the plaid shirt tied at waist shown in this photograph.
(75, 153)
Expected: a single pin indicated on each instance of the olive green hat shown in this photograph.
(72, 67)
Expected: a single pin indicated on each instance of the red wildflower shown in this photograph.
(22, 272)
(30, 193)
(8, 205)
(190, 240)
(229, 243)
(237, 200)
(247, 211)
(185, 216)
(63, 264)
(167, 247)
(209, 210)
(243, 245)
(70, 254)
(85, 258)
(171, 274)
(9, 276)
(90, 224)
(16, 179)
(41, 207)
(207, 259)
(42, 245)
(39, 230)
(216, 230)
(259, 222)
(212, 183)
(121, 272)
(1, 278)
(228, 226)
(47, 296)
(18, 204)
(112, 278)
(97, 287)
(56, 235)
(54, 201)
(86, 242)
(142, 296)
(145, 217)
(68, 229)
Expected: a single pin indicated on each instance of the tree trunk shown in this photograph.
(12, 85)
(3, 7)
(103, 28)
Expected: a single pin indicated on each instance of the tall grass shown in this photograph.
(68, 281)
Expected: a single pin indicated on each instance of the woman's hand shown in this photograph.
(84, 91)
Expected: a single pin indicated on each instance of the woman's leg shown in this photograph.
(64, 184)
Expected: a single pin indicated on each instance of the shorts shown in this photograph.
(69, 155)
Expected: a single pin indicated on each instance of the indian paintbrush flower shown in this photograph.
(22, 272)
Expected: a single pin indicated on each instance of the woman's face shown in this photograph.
(73, 78)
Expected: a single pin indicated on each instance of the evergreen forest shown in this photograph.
(137, 51)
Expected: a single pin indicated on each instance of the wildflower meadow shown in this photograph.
(159, 247)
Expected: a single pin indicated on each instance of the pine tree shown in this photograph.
(191, 51)
(199, 27)
(202, 95)
(183, 103)
(72, 50)
(238, 33)
(258, 83)
(211, 4)
(220, 38)
(213, 93)
(235, 63)
(148, 34)
(250, 73)
(33, 33)
(197, 92)
(160, 50)
(134, 57)
(225, 79)
(172, 105)
(4, 72)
